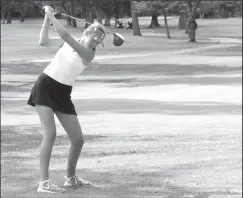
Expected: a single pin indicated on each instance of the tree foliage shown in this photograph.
(23, 7)
(148, 7)
(223, 8)
(6, 9)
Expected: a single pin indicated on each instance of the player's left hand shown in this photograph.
(48, 9)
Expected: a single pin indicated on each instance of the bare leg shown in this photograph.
(48, 123)
(71, 125)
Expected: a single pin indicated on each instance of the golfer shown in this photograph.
(51, 95)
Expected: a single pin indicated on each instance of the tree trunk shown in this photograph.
(166, 26)
(22, 18)
(3, 17)
(68, 20)
(98, 15)
(182, 22)
(23, 10)
(116, 21)
(66, 7)
(191, 21)
(192, 35)
(9, 17)
(135, 23)
(154, 21)
(66, 10)
(116, 13)
(98, 11)
(89, 18)
(191, 30)
(73, 6)
(107, 20)
(74, 23)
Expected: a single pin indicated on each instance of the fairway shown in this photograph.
(161, 118)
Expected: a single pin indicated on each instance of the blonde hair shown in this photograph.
(97, 25)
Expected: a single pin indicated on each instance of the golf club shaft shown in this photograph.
(83, 20)
(63, 14)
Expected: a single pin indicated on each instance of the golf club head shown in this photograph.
(118, 39)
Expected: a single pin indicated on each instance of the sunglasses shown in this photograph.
(98, 35)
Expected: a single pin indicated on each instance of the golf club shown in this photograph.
(118, 39)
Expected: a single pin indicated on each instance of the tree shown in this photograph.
(182, 20)
(187, 11)
(7, 7)
(22, 6)
(98, 11)
(154, 8)
(191, 19)
(135, 23)
(87, 7)
(108, 8)
(118, 6)
(166, 24)
(69, 8)
(149, 8)
(228, 8)
(61, 6)
(205, 7)
(179, 8)
(73, 12)
(157, 8)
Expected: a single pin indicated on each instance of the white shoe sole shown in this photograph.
(48, 191)
(66, 184)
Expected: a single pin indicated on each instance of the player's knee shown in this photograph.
(53, 134)
(81, 141)
(50, 134)
(78, 141)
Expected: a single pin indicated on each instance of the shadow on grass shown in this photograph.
(165, 75)
(136, 82)
(162, 69)
(130, 106)
(19, 139)
(155, 74)
(120, 69)
(23, 68)
(137, 106)
(17, 86)
(172, 80)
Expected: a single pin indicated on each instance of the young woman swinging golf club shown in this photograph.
(51, 94)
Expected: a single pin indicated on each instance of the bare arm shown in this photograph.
(86, 53)
(44, 39)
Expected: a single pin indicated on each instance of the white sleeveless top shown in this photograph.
(65, 66)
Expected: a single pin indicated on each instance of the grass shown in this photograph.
(163, 120)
